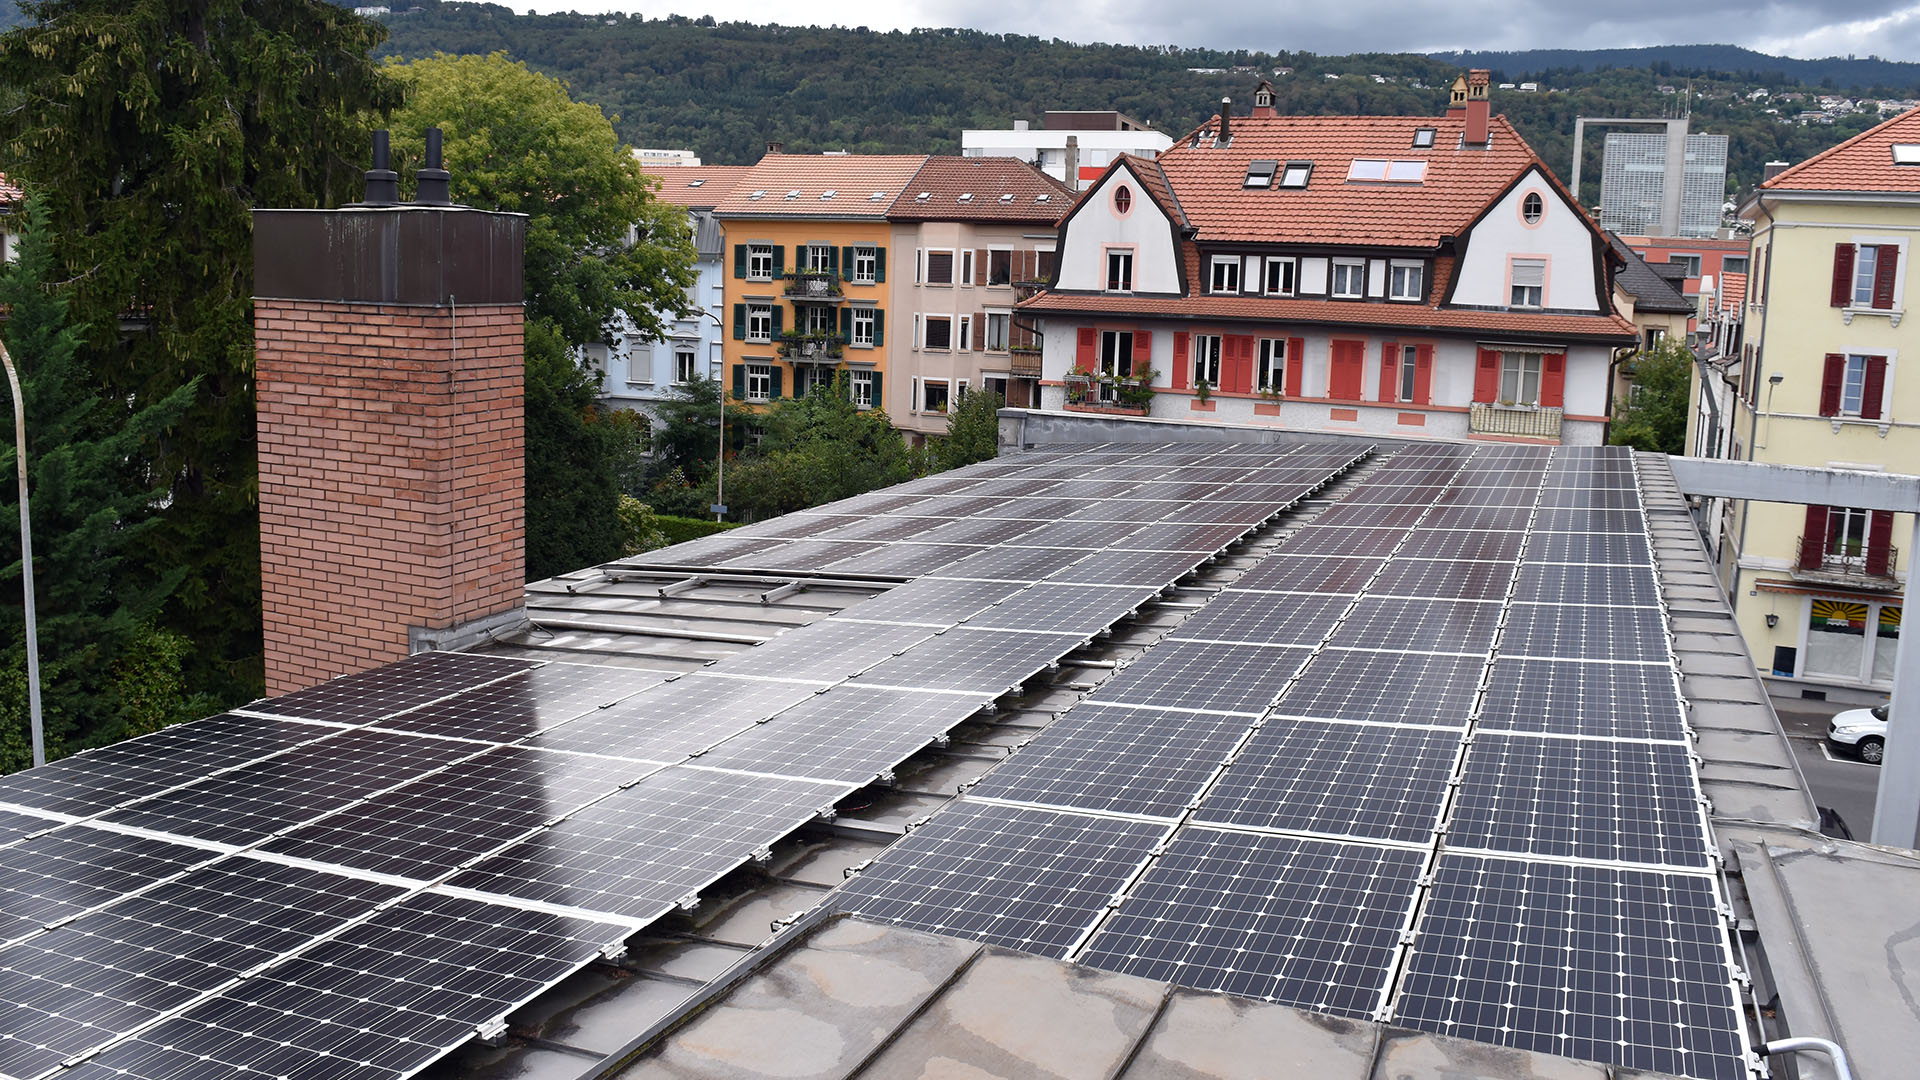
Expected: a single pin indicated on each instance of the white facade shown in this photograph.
(1555, 235)
(1048, 149)
(1142, 230)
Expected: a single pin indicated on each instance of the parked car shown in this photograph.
(1861, 731)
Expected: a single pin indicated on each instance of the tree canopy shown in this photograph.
(1654, 416)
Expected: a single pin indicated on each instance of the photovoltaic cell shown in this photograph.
(60, 874)
(1501, 547)
(931, 601)
(1626, 967)
(1462, 626)
(1315, 541)
(1265, 618)
(369, 695)
(1281, 572)
(1599, 633)
(1611, 586)
(667, 722)
(905, 559)
(1023, 564)
(1075, 609)
(849, 733)
(523, 704)
(643, 850)
(1443, 579)
(1612, 548)
(1386, 687)
(1197, 675)
(1566, 697)
(1129, 761)
(827, 650)
(1302, 922)
(1339, 780)
(990, 662)
(1588, 799)
(1017, 877)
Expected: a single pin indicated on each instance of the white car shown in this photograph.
(1862, 731)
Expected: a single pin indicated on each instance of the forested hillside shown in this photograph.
(726, 90)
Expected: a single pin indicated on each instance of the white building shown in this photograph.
(1072, 147)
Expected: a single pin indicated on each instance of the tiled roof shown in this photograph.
(981, 189)
(1862, 163)
(1608, 327)
(9, 191)
(1153, 179)
(1733, 291)
(1651, 291)
(822, 185)
(1459, 181)
(697, 187)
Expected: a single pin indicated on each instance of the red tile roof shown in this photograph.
(1459, 182)
(981, 189)
(9, 191)
(698, 186)
(822, 186)
(1862, 163)
(1733, 291)
(1608, 328)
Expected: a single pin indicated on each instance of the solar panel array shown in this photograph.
(354, 879)
(1425, 763)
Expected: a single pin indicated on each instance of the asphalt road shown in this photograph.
(1845, 784)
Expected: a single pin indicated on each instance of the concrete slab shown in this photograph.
(1405, 1055)
(1212, 1037)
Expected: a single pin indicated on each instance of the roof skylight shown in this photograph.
(1260, 174)
(1405, 172)
(794, 194)
(1041, 198)
(758, 195)
(923, 196)
(1007, 198)
(876, 196)
(1423, 138)
(966, 197)
(1906, 153)
(828, 194)
(1296, 174)
(696, 181)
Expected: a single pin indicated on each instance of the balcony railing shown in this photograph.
(814, 348)
(1023, 363)
(813, 285)
(1525, 421)
(1867, 568)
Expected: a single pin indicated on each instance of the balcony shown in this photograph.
(818, 286)
(1519, 421)
(1870, 568)
(811, 348)
(1023, 363)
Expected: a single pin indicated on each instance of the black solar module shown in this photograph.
(1370, 515)
(1458, 626)
(1201, 538)
(1386, 687)
(804, 554)
(1583, 697)
(667, 722)
(1488, 496)
(830, 649)
(1151, 568)
(14, 825)
(799, 524)
(60, 874)
(1265, 618)
(1069, 609)
(520, 705)
(1303, 922)
(930, 601)
(1346, 542)
(905, 559)
(1499, 518)
(1024, 878)
(1339, 780)
(977, 531)
(357, 699)
(1283, 573)
(984, 661)
(1618, 634)
(849, 733)
(1209, 677)
(1022, 564)
(1085, 535)
(1608, 964)
(1482, 544)
(1123, 511)
(1443, 579)
(1566, 547)
(1124, 760)
(1574, 519)
(1610, 586)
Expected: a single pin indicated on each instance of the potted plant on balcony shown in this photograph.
(1135, 391)
(1080, 383)
(1203, 396)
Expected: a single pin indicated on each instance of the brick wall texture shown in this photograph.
(391, 478)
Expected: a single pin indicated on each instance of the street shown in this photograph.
(1844, 784)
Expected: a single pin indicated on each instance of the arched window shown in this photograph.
(1532, 207)
(1122, 198)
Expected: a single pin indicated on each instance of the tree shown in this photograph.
(1654, 416)
(573, 477)
(106, 670)
(973, 431)
(155, 127)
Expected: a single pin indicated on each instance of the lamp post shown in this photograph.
(719, 507)
(26, 559)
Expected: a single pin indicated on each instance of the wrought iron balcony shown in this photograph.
(1862, 568)
(1524, 421)
(811, 348)
(821, 285)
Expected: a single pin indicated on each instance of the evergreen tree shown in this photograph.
(106, 671)
(573, 462)
(155, 127)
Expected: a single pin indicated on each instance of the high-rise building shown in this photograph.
(1634, 177)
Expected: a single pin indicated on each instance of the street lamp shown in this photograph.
(26, 559)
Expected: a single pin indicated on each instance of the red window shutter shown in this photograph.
(1086, 346)
(1296, 359)
(1389, 375)
(1182, 367)
(1830, 383)
(1236, 376)
(1842, 275)
(1873, 388)
(979, 331)
(1883, 269)
(1423, 376)
(1880, 542)
(1553, 380)
(1347, 373)
(1486, 377)
(979, 266)
(1142, 351)
(1813, 541)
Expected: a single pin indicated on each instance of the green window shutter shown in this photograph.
(880, 264)
(739, 322)
(779, 260)
(846, 323)
(740, 381)
(877, 400)
(846, 264)
(739, 260)
(775, 391)
(879, 328)
(779, 317)
(833, 259)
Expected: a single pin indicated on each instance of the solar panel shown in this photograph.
(1488, 496)
(15, 825)
(1503, 518)
(1124, 511)
(1462, 626)
(1076, 609)
(1156, 569)
(1385, 687)
(990, 662)
(643, 850)
(1200, 538)
(436, 824)
(1081, 534)
(1023, 564)
(1563, 583)
(931, 601)
(1621, 966)
(1314, 540)
(882, 528)
(523, 704)
(1338, 780)
(1283, 573)
(1022, 878)
(1370, 515)
(1592, 498)
(1198, 675)
(1301, 922)
(369, 695)
(84, 984)
(1588, 799)
(979, 531)
(1581, 519)
(803, 554)
(1613, 548)
(798, 524)
(1564, 697)
(827, 650)
(1611, 633)
(706, 551)
(905, 559)
(60, 874)
(1440, 578)
(1265, 618)
(1130, 761)
(668, 722)
(849, 733)
(251, 803)
(1214, 511)
(1503, 547)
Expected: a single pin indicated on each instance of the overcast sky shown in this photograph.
(1803, 28)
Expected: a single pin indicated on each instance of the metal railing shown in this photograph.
(1866, 567)
(813, 285)
(1527, 421)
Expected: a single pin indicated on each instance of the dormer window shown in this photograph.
(1296, 174)
(1260, 174)
(1263, 98)
(1423, 138)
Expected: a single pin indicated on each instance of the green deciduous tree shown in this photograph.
(973, 431)
(1654, 416)
(154, 127)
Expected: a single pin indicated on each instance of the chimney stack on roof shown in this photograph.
(383, 184)
(776, 147)
(434, 187)
(1477, 106)
(1226, 110)
(1773, 169)
(1263, 100)
(1071, 169)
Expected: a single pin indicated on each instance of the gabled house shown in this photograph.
(1400, 275)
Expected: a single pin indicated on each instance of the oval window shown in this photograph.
(1123, 198)
(1531, 208)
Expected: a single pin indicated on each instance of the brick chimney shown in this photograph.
(388, 374)
(1477, 107)
(1263, 100)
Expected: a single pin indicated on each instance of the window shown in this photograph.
(939, 268)
(1206, 359)
(1122, 199)
(1853, 385)
(1296, 174)
(1407, 281)
(1260, 174)
(1407, 172)
(1733, 264)
(1116, 352)
(1906, 153)
(1367, 169)
(1273, 365)
(1689, 263)
(759, 382)
(1851, 640)
(965, 338)
(815, 319)
(1224, 274)
(683, 361)
(1846, 540)
(933, 395)
(1409, 371)
(1119, 270)
(862, 326)
(1650, 338)
(1532, 207)
(1423, 138)
(1412, 172)
(860, 385)
(820, 259)
(1519, 378)
(966, 267)
(1866, 263)
(760, 323)
(1529, 282)
(866, 265)
(999, 328)
(1349, 278)
(937, 332)
(1000, 267)
(1280, 277)
(760, 262)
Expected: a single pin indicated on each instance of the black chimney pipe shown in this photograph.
(1226, 110)
(434, 189)
(383, 184)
